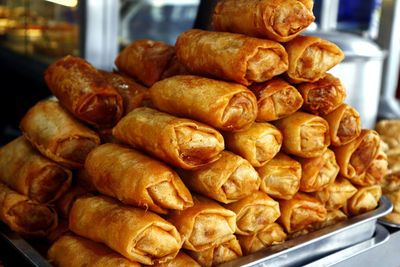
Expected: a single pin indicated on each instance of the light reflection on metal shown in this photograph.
(69, 3)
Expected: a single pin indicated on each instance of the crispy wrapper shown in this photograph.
(365, 199)
(25, 216)
(276, 99)
(300, 211)
(181, 142)
(391, 189)
(135, 178)
(181, 260)
(64, 204)
(310, 58)
(82, 89)
(271, 235)
(28, 172)
(344, 125)
(318, 172)
(332, 217)
(230, 56)
(254, 212)
(137, 234)
(277, 20)
(258, 144)
(280, 177)
(205, 225)
(57, 134)
(227, 180)
(223, 105)
(304, 135)
(77, 251)
(389, 132)
(323, 96)
(355, 157)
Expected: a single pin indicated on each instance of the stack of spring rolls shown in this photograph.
(196, 154)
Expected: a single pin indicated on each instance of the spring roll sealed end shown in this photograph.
(276, 99)
(304, 135)
(310, 58)
(280, 177)
(365, 199)
(276, 20)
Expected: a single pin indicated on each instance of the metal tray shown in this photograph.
(389, 224)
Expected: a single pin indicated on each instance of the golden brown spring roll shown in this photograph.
(227, 180)
(310, 58)
(230, 56)
(271, 235)
(391, 189)
(28, 172)
(323, 96)
(365, 199)
(64, 204)
(181, 142)
(137, 234)
(344, 125)
(181, 260)
(205, 225)
(223, 105)
(258, 144)
(336, 194)
(304, 135)
(389, 132)
(78, 251)
(276, 99)
(135, 178)
(84, 91)
(25, 216)
(214, 256)
(318, 172)
(355, 157)
(57, 134)
(254, 212)
(280, 177)
(300, 211)
(332, 217)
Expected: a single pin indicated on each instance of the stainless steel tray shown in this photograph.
(389, 224)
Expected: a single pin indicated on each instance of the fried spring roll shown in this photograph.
(225, 106)
(57, 134)
(84, 91)
(227, 180)
(332, 217)
(254, 213)
(205, 225)
(64, 204)
(391, 189)
(258, 144)
(344, 125)
(25, 216)
(181, 260)
(77, 251)
(181, 142)
(230, 56)
(276, 99)
(310, 58)
(137, 234)
(365, 199)
(136, 179)
(323, 96)
(304, 135)
(280, 177)
(28, 172)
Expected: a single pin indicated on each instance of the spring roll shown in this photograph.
(254, 212)
(230, 56)
(258, 144)
(355, 157)
(344, 125)
(300, 211)
(82, 90)
(135, 178)
(310, 58)
(332, 217)
(137, 234)
(57, 134)
(29, 173)
(304, 135)
(365, 199)
(323, 96)
(280, 177)
(277, 20)
(389, 132)
(64, 204)
(271, 235)
(181, 260)
(181, 142)
(25, 216)
(77, 251)
(205, 225)
(227, 180)
(276, 99)
(391, 189)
